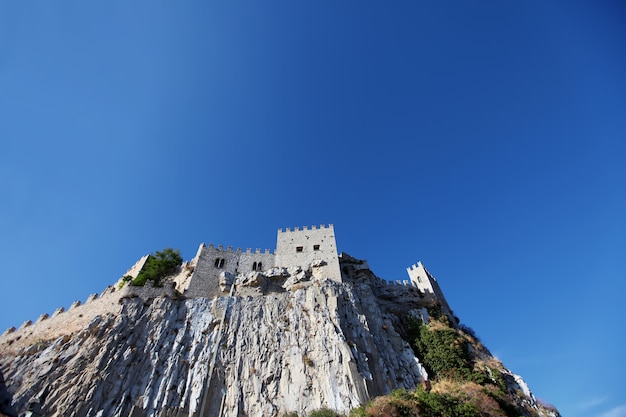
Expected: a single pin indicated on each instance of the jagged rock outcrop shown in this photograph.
(323, 344)
(283, 341)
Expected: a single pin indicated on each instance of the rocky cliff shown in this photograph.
(282, 341)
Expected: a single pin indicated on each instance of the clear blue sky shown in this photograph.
(486, 139)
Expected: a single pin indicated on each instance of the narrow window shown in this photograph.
(217, 262)
(299, 248)
(222, 263)
(316, 247)
(254, 266)
(259, 267)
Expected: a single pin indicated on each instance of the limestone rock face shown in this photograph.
(326, 344)
(278, 341)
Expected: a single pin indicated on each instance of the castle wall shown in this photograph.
(183, 280)
(307, 246)
(212, 261)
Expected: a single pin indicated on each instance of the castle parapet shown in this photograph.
(108, 290)
(9, 331)
(42, 317)
(297, 229)
(229, 249)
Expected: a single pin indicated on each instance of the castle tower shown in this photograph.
(427, 283)
(308, 247)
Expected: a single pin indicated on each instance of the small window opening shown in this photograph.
(299, 248)
(254, 266)
(316, 247)
(222, 263)
(217, 262)
(259, 266)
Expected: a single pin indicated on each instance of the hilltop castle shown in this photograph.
(305, 254)
(234, 333)
(312, 249)
(307, 248)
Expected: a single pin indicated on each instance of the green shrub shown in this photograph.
(443, 350)
(324, 412)
(401, 394)
(158, 266)
(436, 312)
(432, 404)
(358, 412)
(124, 280)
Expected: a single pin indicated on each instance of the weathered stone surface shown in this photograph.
(226, 279)
(323, 345)
(287, 341)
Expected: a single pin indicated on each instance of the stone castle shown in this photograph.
(306, 248)
(312, 249)
(231, 333)
(307, 254)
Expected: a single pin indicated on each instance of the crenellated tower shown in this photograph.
(315, 247)
(426, 283)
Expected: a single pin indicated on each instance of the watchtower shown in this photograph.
(427, 283)
(309, 246)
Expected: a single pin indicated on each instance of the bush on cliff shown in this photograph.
(444, 350)
(158, 266)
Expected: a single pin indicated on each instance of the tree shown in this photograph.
(158, 266)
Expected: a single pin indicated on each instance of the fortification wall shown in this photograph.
(307, 246)
(212, 261)
(80, 314)
(64, 322)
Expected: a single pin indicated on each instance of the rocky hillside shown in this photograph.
(282, 343)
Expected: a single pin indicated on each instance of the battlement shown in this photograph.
(230, 249)
(301, 247)
(427, 283)
(297, 229)
(107, 301)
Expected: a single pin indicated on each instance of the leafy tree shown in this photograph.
(158, 266)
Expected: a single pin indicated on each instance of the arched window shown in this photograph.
(217, 262)
(254, 266)
(222, 263)
(259, 267)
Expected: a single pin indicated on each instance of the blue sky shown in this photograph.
(486, 139)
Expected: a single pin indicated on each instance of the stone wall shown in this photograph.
(212, 261)
(64, 322)
(307, 247)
